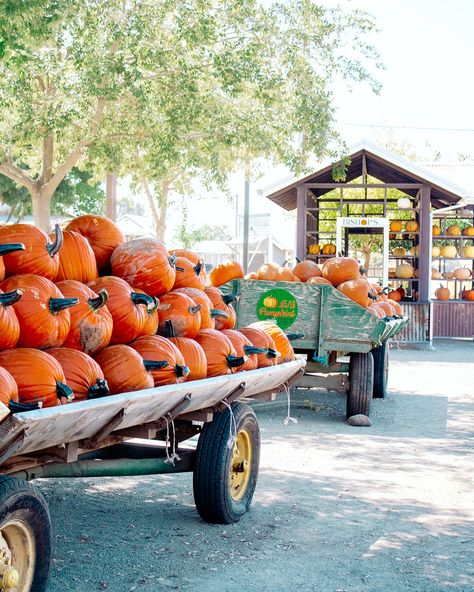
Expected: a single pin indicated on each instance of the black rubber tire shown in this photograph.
(21, 500)
(381, 363)
(211, 478)
(361, 384)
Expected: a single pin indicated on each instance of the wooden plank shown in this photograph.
(363, 185)
(425, 244)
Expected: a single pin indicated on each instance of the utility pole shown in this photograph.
(245, 256)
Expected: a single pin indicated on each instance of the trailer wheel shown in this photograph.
(225, 478)
(25, 537)
(361, 384)
(381, 363)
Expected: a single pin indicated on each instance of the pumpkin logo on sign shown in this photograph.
(278, 305)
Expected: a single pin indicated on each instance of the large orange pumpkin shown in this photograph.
(222, 302)
(76, 259)
(263, 341)
(285, 274)
(83, 374)
(39, 255)
(9, 325)
(91, 321)
(282, 343)
(42, 311)
(103, 235)
(341, 269)
(243, 347)
(207, 312)
(319, 281)
(357, 290)
(129, 309)
(194, 357)
(144, 263)
(162, 358)
(220, 355)
(123, 369)
(179, 316)
(190, 255)
(5, 249)
(9, 394)
(189, 275)
(39, 377)
(225, 272)
(394, 295)
(269, 272)
(304, 270)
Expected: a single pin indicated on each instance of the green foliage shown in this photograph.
(188, 238)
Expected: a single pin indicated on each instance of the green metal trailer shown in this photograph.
(324, 326)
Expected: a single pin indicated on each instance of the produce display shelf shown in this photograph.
(449, 237)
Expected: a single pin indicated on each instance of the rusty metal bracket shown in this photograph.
(104, 431)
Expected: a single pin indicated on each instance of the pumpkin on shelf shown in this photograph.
(314, 249)
(162, 358)
(42, 311)
(224, 272)
(208, 312)
(453, 230)
(357, 290)
(467, 295)
(76, 259)
(243, 347)
(9, 324)
(39, 256)
(462, 273)
(329, 249)
(436, 230)
(404, 271)
(411, 226)
(189, 275)
(220, 354)
(104, 237)
(467, 252)
(400, 252)
(442, 293)
(280, 339)
(83, 374)
(262, 341)
(222, 302)
(394, 295)
(193, 355)
(5, 249)
(449, 251)
(129, 308)
(435, 252)
(144, 263)
(468, 231)
(395, 226)
(415, 251)
(123, 369)
(178, 315)
(91, 321)
(447, 275)
(341, 269)
(39, 377)
(268, 272)
(435, 274)
(304, 270)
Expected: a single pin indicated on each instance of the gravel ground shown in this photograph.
(337, 508)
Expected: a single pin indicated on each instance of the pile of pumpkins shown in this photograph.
(86, 314)
(450, 251)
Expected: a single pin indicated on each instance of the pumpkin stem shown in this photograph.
(56, 305)
(169, 329)
(155, 364)
(100, 301)
(251, 349)
(194, 309)
(99, 389)
(11, 248)
(228, 298)
(294, 336)
(138, 298)
(236, 361)
(179, 268)
(156, 304)
(172, 261)
(297, 260)
(198, 267)
(16, 407)
(273, 353)
(371, 296)
(181, 370)
(215, 312)
(63, 391)
(53, 248)
(9, 298)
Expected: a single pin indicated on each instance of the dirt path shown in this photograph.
(338, 509)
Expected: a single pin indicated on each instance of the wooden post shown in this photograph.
(111, 196)
(301, 195)
(425, 244)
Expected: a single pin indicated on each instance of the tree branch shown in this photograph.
(15, 173)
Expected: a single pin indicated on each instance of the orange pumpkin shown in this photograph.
(39, 377)
(394, 295)
(91, 321)
(387, 308)
(103, 235)
(123, 369)
(395, 226)
(261, 340)
(341, 269)
(243, 347)
(190, 255)
(282, 343)
(356, 290)
(228, 322)
(396, 307)
(5, 249)
(194, 357)
(304, 270)
(189, 275)
(225, 272)
(9, 325)
(76, 259)
(207, 312)
(411, 226)
(162, 358)
(179, 315)
(284, 275)
(269, 272)
(442, 293)
(468, 295)
(220, 354)
(222, 302)
(83, 374)
(401, 290)
(319, 281)
(144, 263)
(468, 231)
(41, 311)
(251, 276)
(39, 255)
(9, 394)
(376, 311)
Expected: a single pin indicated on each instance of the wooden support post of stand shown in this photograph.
(425, 244)
(301, 222)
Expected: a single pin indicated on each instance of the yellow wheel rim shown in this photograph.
(240, 465)
(18, 556)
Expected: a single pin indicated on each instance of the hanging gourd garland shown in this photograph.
(9, 324)
(76, 259)
(144, 263)
(178, 316)
(5, 249)
(42, 311)
(40, 256)
(162, 358)
(39, 377)
(193, 355)
(189, 275)
(124, 369)
(220, 354)
(262, 340)
(83, 374)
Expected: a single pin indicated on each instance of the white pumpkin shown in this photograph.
(404, 271)
(467, 252)
(435, 251)
(415, 251)
(462, 273)
(399, 252)
(449, 251)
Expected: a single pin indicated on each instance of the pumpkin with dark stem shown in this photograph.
(162, 358)
(178, 315)
(394, 295)
(124, 369)
(130, 309)
(442, 293)
(9, 394)
(91, 321)
(39, 377)
(193, 355)
(357, 290)
(261, 340)
(208, 312)
(189, 275)
(39, 256)
(224, 272)
(83, 374)
(190, 255)
(226, 318)
(220, 354)
(341, 269)
(9, 324)
(76, 259)
(144, 263)
(281, 340)
(304, 270)
(5, 249)
(103, 234)
(244, 348)
(42, 311)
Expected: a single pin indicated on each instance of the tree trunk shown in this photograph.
(41, 202)
(160, 232)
